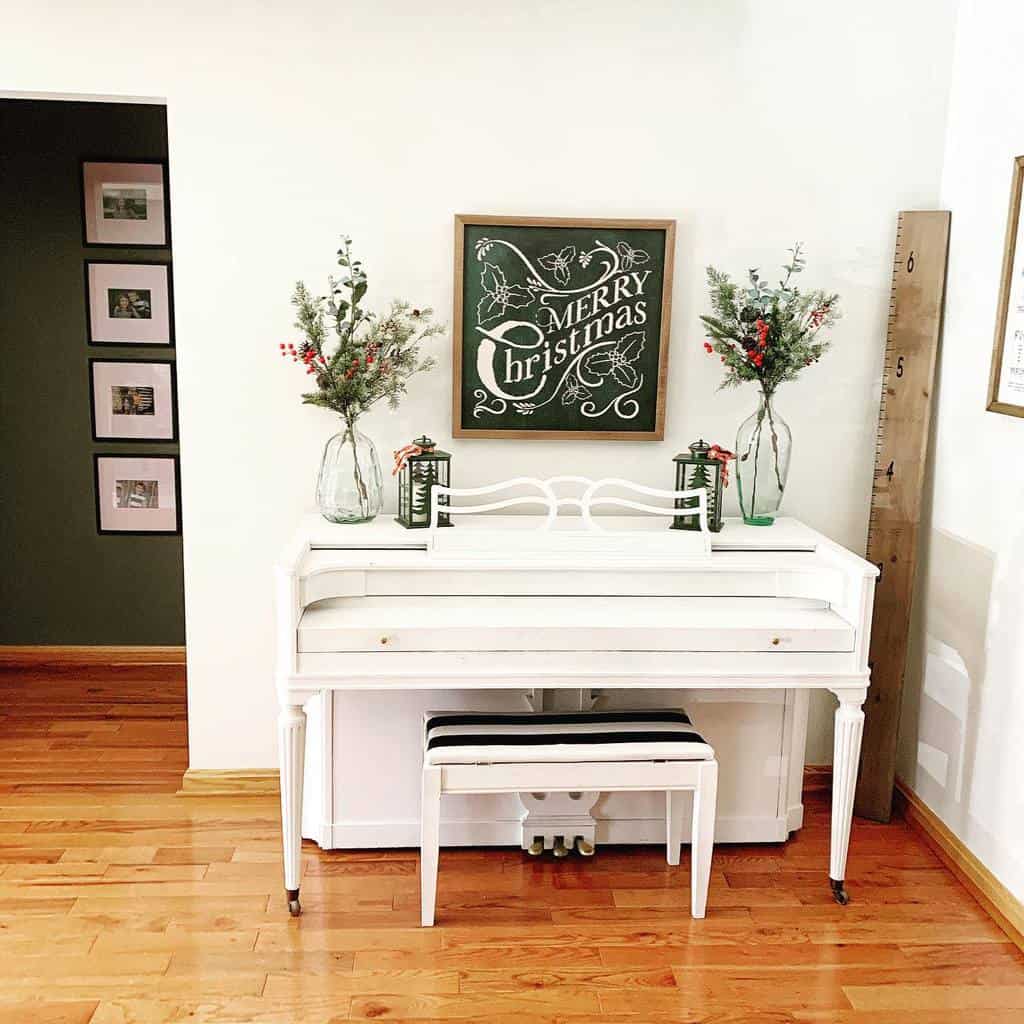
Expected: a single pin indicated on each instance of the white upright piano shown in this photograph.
(370, 608)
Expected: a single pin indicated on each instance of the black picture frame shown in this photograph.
(156, 160)
(176, 532)
(132, 345)
(129, 440)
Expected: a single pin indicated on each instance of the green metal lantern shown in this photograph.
(702, 468)
(421, 466)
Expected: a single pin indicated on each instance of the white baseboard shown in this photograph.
(508, 832)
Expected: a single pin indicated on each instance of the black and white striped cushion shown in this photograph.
(468, 737)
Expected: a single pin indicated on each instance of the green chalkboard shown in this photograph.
(561, 327)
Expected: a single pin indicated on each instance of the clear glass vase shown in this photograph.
(763, 445)
(349, 488)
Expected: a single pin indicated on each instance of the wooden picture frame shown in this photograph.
(589, 299)
(1006, 382)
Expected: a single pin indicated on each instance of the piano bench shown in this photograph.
(555, 752)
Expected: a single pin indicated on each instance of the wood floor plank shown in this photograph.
(57, 1012)
(746, 957)
(518, 979)
(384, 982)
(349, 939)
(566, 1001)
(219, 1010)
(515, 956)
(944, 997)
(914, 1016)
(175, 937)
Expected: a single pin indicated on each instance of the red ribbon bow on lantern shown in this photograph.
(722, 455)
(403, 455)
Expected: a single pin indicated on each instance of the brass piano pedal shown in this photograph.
(583, 848)
(536, 848)
(560, 849)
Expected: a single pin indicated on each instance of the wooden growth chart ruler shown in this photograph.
(911, 346)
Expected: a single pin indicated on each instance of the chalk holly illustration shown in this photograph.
(573, 391)
(558, 263)
(617, 362)
(630, 257)
(499, 295)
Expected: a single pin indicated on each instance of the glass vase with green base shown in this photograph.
(763, 445)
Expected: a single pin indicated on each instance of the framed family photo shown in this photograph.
(133, 401)
(561, 327)
(1006, 382)
(129, 303)
(137, 494)
(125, 203)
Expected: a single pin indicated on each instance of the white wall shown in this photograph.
(963, 719)
(753, 124)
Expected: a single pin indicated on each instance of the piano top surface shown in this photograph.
(319, 546)
(786, 534)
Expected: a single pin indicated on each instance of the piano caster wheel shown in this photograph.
(536, 848)
(839, 894)
(583, 848)
(560, 849)
(294, 907)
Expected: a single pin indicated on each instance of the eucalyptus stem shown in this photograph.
(757, 459)
(357, 472)
(775, 441)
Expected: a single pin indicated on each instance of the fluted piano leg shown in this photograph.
(292, 747)
(849, 728)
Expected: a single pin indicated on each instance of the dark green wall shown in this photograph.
(60, 582)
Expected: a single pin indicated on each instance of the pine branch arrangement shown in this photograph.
(357, 357)
(767, 334)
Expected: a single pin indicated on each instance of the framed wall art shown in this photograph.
(133, 401)
(561, 327)
(125, 203)
(129, 303)
(1006, 383)
(137, 494)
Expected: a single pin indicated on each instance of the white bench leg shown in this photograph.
(703, 836)
(673, 824)
(430, 842)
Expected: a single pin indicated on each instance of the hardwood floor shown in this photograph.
(121, 903)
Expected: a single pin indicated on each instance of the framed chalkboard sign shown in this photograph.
(561, 327)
